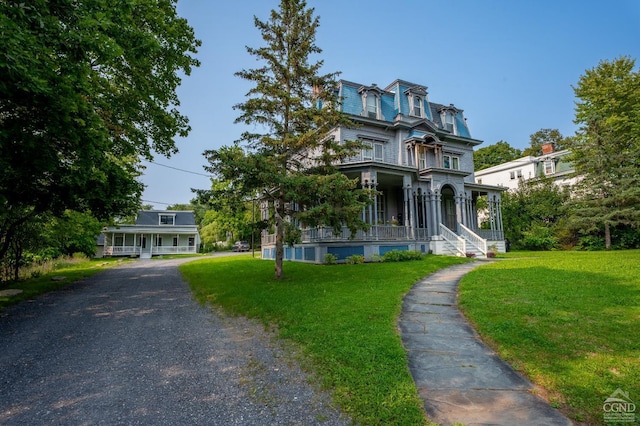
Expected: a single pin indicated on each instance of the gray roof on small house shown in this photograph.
(152, 217)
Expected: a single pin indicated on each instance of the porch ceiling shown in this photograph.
(384, 179)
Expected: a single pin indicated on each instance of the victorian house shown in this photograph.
(419, 159)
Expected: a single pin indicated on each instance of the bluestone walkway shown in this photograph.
(459, 378)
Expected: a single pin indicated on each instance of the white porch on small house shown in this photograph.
(147, 244)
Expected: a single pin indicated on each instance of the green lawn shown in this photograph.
(343, 317)
(569, 320)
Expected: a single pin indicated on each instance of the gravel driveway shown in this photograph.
(130, 346)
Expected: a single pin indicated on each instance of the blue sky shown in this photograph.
(510, 65)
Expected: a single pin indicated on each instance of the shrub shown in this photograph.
(539, 238)
(375, 258)
(355, 259)
(401, 255)
(330, 259)
(591, 243)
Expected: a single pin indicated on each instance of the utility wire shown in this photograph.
(157, 202)
(180, 170)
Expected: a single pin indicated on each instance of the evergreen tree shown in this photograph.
(289, 162)
(606, 150)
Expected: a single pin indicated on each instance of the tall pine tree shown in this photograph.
(290, 161)
(606, 150)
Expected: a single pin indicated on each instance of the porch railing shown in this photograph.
(453, 239)
(491, 234)
(375, 233)
(473, 238)
(121, 250)
(134, 250)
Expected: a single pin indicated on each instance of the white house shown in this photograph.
(551, 164)
(419, 157)
(155, 232)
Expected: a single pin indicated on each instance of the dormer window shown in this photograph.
(371, 105)
(417, 99)
(449, 121)
(549, 167)
(371, 101)
(417, 106)
(167, 219)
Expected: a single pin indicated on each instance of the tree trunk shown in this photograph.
(607, 236)
(279, 244)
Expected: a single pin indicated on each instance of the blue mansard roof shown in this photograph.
(396, 102)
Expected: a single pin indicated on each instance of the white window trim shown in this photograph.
(551, 165)
(369, 153)
(412, 105)
(443, 116)
(377, 104)
(452, 159)
(172, 216)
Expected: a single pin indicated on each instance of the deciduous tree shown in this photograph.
(544, 136)
(492, 155)
(85, 89)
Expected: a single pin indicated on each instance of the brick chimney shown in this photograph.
(547, 148)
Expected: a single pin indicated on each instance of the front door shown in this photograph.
(449, 218)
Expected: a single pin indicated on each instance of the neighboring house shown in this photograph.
(551, 164)
(155, 232)
(419, 157)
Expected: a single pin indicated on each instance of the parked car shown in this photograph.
(240, 246)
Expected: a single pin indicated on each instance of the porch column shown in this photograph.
(492, 217)
(461, 209)
(433, 224)
(374, 186)
(438, 211)
(417, 215)
(412, 216)
(423, 203)
(467, 215)
(364, 209)
(499, 219)
(473, 220)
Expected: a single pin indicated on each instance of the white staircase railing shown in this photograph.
(455, 240)
(476, 240)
